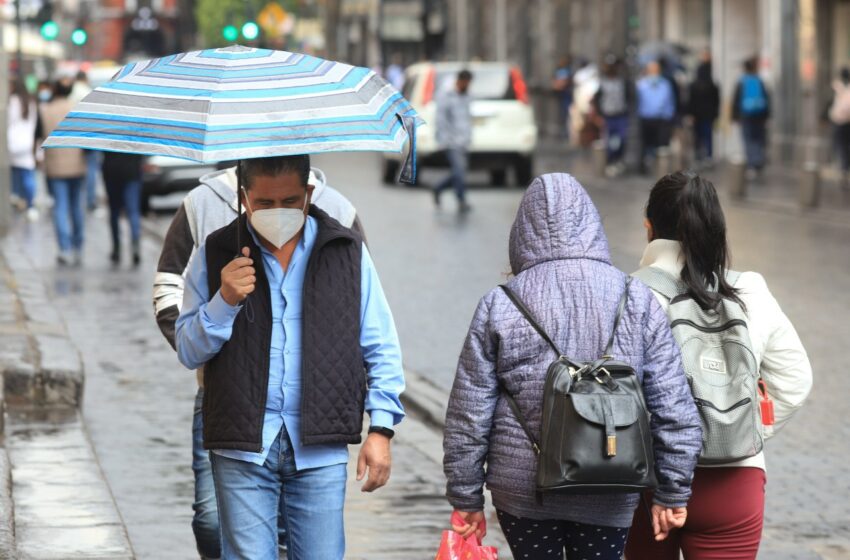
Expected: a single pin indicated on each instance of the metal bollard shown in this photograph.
(737, 178)
(600, 157)
(663, 162)
(810, 185)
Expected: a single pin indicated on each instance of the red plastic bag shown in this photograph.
(455, 547)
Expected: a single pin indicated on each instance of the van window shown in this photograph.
(410, 81)
(488, 83)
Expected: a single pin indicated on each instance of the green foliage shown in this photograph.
(213, 15)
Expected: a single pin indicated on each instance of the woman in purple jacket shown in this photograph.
(563, 272)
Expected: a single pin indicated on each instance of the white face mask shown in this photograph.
(277, 225)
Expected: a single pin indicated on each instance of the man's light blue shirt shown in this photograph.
(205, 324)
(655, 98)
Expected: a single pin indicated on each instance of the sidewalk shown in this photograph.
(138, 408)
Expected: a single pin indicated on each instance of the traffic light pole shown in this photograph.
(5, 174)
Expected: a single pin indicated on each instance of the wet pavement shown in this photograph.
(434, 265)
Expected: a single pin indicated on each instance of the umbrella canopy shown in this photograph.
(239, 103)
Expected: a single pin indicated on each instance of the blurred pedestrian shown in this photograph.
(208, 207)
(839, 116)
(656, 111)
(65, 169)
(687, 246)
(704, 108)
(21, 119)
(562, 85)
(44, 91)
(454, 135)
(394, 73)
(612, 102)
(122, 176)
(93, 164)
(564, 276)
(751, 108)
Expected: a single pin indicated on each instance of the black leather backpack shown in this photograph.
(594, 435)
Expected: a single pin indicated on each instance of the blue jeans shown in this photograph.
(92, 169)
(205, 521)
(68, 214)
(127, 197)
(617, 129)
(703, 139)
(205, 524)
(754, 130)
(458, 163)
(23, 184)
(251, 497)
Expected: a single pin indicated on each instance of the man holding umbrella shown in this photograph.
(297, 340)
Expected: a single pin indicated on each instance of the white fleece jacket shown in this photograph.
(783, 363)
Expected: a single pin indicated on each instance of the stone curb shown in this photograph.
(7, 509)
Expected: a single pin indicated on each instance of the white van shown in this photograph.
(504, 132)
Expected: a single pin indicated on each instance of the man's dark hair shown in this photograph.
(464, 75)
(845, 74)
(274, 166)
(751, 65)
(62, 88)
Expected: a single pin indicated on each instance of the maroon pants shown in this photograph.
(725, 517)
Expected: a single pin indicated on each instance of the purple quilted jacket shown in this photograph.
(563, 272)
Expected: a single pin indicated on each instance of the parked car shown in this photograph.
(167, 175)
(504, 132)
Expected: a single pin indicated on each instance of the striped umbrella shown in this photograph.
(238, 103)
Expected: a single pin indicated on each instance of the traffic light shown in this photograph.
(250, 30)
(50, 30)
(79, 37)
(230, 33)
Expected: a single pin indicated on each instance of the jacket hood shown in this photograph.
(223, 183)
(556, 220)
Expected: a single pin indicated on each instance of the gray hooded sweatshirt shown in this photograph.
(563, 272)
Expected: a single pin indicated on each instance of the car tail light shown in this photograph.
(520, 89)
(428, 95)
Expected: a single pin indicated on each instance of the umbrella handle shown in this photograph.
(238, 208)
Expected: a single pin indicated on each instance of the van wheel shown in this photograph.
(524, 170)
(498, 177)
(145, 204)
(391, 169)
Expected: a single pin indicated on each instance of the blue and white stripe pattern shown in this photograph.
(238, 103)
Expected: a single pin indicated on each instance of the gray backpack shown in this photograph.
(720, 365)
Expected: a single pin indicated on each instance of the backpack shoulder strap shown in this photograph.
(529, 317)
(620, 309)
(662, 282)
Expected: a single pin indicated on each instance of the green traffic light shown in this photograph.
(79, 37)
(50, 30)
(230, 33)
(250, 30)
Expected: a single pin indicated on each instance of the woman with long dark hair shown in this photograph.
(21, 119)
(687, 243)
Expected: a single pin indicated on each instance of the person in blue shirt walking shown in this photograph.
(751, 108)
(656, 111)
(297, 341)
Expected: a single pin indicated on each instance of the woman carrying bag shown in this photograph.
(564, 281)
(747, 367)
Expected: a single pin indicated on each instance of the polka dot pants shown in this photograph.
(533, 539)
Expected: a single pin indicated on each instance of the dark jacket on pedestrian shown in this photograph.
(563, 272)
(121, 168)
(704, 95)
(738, 99)
(614, 97)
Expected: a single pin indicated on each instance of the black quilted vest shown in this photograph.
(333, 374)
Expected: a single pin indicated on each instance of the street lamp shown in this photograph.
(250, 30)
